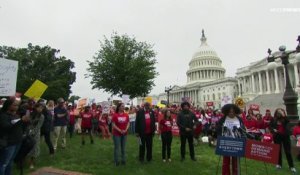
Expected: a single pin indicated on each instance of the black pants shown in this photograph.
(284, 140)
(71, 130)
(48, 141)
(166, 144)
(183, 138)
(146, 141)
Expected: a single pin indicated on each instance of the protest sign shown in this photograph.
(36, 90)
(228, 146)
(105, 107)
(125, 99)
(81, 103)
(8, 77)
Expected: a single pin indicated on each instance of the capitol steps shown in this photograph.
(268, 101)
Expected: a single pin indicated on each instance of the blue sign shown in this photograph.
(228, 146)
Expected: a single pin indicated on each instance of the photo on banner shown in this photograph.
(8, 74)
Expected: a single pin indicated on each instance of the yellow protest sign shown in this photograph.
(36, 90)
(149, 100)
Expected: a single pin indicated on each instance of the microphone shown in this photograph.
(245, 133)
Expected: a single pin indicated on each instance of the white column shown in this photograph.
(296, 75)
(244, 85)
(239, 87)
(260, 83)
(276, 81)
(268, 82)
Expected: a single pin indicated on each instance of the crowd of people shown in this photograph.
(21, 119)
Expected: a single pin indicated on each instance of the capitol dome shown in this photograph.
(205, 65)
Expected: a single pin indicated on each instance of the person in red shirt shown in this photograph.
(296, 135)
(86, 124)
(120, 125)
(145, 130)
(96, 115)
(281, 133)
(166, 134)
(267, 118)
(103, 125)
(71, 125)
(267, 136)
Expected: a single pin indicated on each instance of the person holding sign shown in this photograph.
(280, 130)
(230, 126)
(186, 121)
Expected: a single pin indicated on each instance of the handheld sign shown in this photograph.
(36, 90)
(8, 77)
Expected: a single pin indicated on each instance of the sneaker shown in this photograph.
(293, 170)
(278, 167)
(31, 167)
(164, 160)
(169, 160)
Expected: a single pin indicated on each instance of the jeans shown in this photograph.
(119, 142)
(146, 140)
(7, 156)
(166, 144)
(183, 138)
(132, 127)
(57, 131)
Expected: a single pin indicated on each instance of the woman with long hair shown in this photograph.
(281, 133)
(166, 134)
(230, 121)
(11, 133)
(103, 125)
(36, 122)
(120, 125)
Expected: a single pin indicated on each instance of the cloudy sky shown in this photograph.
(239, 31)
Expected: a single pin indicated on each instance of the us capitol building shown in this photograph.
(255, 83)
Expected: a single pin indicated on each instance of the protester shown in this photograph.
(145, 130)
(120, 125)
(225, 128)
(267, 136)
(60, 122)
(72, 117)
(103, 125)
(267, 118)
(96, 115)
(166, 135)
(186, 121)
(86, 124)
(36, 122)
(11, 133)
(132, 117)
(296, 135)
(46, 127)
(281, 134)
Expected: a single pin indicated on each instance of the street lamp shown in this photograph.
(167, 90)
(290, 97)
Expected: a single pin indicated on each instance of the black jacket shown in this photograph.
(140, 123)
(46, 128)
(274, 125)
(186, 119)
(13, 133)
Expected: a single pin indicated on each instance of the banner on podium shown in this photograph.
(228, 146)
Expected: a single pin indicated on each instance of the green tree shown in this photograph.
(44, 64)
(123, 66)
(73, 98)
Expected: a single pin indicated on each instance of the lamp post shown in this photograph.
(290, 97)
(167, 90)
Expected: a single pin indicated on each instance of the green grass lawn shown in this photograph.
(98, 159)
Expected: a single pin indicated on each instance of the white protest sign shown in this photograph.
(126, 99)
(8, 77)
(105, 107)
(226, 100)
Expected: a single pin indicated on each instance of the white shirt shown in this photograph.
(230, 123)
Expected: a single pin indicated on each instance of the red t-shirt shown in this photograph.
(280, 128)
(96, 113)
(103, 121)
(166, 125)
(148, 123)
(267, 137)
(250, 124)
(72, 117)
(296, 131)
(86, 121)
(121, 121)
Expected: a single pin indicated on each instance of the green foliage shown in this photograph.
(73, 98)
(42, 63)
(123, 66)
